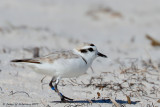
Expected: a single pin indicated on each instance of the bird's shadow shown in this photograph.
(96, 101)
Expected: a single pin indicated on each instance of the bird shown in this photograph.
(64, 64)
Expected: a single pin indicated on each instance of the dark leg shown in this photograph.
(54, 87)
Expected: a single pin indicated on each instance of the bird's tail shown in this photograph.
(19, 60)
(25, 60)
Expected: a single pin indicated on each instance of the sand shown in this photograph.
(117, 28)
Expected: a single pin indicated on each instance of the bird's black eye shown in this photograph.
(83, 51)
(90, 49)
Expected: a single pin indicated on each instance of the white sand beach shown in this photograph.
(117, 28)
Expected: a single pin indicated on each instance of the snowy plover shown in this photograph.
(64, 64)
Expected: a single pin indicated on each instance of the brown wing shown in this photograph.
(49, 58)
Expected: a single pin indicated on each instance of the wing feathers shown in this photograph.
(50, 58)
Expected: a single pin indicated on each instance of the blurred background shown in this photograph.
(121, 29)
(110, 24)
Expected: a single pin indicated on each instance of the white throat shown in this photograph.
(89, 59)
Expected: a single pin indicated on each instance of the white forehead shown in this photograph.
(85, 46)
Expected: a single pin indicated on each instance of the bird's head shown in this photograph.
(89, 52)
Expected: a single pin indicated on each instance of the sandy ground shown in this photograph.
(117, 28)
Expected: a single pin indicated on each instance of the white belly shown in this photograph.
(64, 68)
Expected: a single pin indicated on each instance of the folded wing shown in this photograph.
(49, 58)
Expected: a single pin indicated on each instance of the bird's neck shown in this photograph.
(86, 58)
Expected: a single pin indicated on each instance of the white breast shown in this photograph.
(64, 68)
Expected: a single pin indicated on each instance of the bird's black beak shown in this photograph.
(101, 55)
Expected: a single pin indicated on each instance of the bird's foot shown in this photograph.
(65, 99)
